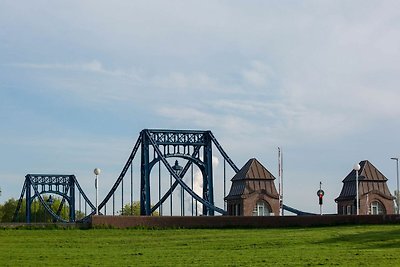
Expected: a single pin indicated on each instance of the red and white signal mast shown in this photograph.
(320, 194)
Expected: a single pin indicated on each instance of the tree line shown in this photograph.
(40, 214)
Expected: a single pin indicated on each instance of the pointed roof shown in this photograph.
(253, 170)
(367, 172)
(252, 177)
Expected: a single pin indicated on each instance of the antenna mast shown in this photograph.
(280, 171)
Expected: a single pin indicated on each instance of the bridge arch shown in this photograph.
(37, 185)
(157, 146)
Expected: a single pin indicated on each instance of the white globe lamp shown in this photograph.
(97, 172)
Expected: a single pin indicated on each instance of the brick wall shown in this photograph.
(238, 221)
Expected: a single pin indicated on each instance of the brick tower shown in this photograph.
(253, 192)
(374, 194)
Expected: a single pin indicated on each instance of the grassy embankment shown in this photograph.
(377, 245)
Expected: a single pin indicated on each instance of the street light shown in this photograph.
(357, 167)
(97, 172)
(177, 168)
(49, 202)
(397, 193)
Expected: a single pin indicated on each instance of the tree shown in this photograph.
(133, 210)
(8, 209)
(38, 212)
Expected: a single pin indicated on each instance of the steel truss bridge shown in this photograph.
(157, 146)
(160, 149)
(38, 185)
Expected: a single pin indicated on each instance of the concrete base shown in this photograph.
(238, 221)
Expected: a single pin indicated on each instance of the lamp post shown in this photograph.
(397, 193)
(97, 172)
(177, 168)
(357, 167)
(50, 202)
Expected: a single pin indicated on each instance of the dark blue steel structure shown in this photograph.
(296, 211)
(184, 144)
(36, 185)
(157, 146)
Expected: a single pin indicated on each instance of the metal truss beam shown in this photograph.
(36, 185)
(186, 144)
(194, 139)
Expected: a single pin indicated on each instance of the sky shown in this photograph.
(80, 79)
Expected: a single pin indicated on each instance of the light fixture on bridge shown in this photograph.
(50, 201)
(177, 168)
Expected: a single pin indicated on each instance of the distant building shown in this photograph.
(374, 194)
(253, 192)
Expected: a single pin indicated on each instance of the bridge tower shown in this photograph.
(253, 192)
(158, 147)
(195, 147)
(36, 185)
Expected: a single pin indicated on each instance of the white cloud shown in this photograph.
(182, 81)
(198, 182)
(91, 66)
(258, 75)
(305, 75)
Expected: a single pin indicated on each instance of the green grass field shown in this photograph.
(377, 245)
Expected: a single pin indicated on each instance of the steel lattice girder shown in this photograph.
(157, 138)
(62, 185)
(195, 139)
